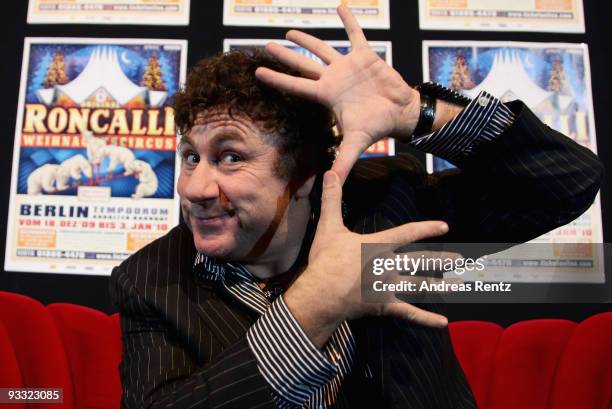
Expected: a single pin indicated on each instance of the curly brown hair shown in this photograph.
(306, 139)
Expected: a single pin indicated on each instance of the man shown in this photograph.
(254, 301)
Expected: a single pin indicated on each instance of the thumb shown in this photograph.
(348, 153)
(331, 199)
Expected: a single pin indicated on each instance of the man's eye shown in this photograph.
(192, 158)
(229, 158)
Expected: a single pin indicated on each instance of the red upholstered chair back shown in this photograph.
(38, 347)
(10, 375)
(525, 363)
(475, 344)
(93, 346)
(543, 364)
(584, 373)
(537, 364)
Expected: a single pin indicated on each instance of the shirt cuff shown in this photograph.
(293, 366)
(483, 120)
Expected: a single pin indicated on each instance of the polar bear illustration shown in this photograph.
(118, 155)
(42, 179)
(72, 167)
(147, 179)
(95, 148)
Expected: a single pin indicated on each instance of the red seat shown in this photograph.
(543, 364)
(10, 376)
(525, 363)
(475, 344)
(93, 345)
(38, 346)
(584, 375)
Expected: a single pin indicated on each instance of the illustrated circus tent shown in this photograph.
(101, 84)
(508, 81)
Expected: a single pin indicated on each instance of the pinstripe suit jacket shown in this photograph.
(184, 343)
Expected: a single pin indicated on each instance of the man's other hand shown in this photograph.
(329, 290)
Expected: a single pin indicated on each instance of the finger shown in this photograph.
(348, 153)
(301, 87)
(331, 200)
(411, 232)
(295, 60)
(351, 25)
(416, 315)
(318, 47)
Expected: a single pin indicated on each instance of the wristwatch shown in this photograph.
(430, 92)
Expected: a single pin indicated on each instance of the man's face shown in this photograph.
(232, 200)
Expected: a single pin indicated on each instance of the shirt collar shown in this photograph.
(210, 268)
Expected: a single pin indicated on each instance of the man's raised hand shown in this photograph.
(369, 99)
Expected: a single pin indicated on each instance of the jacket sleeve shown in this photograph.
(157, 371)
(526, 181)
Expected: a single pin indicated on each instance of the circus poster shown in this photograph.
(94, 158)
(553, 80)
(384, 147)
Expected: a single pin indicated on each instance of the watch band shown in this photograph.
(430, 92)
(426, 115)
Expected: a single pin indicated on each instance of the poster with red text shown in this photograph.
(94, 157)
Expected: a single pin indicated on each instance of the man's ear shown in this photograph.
(305, 188)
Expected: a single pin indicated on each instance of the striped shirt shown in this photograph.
(299, 374)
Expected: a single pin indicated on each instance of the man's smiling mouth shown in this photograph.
(205, 219)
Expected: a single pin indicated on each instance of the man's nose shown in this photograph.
(201, 185)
